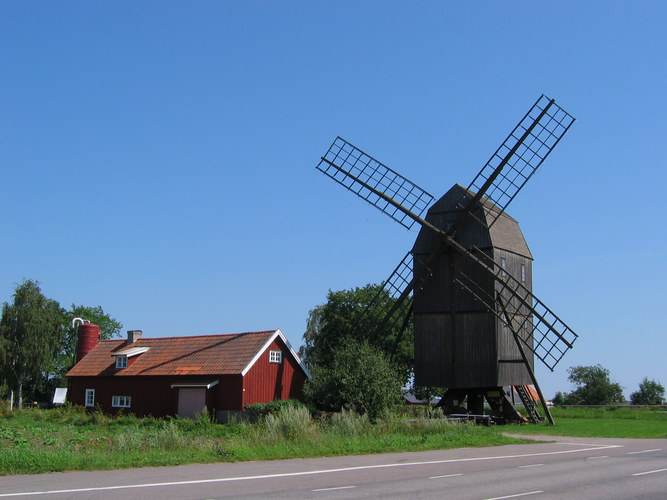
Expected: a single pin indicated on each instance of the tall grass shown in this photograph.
(348, 423)
(68, 438)
(290, 423)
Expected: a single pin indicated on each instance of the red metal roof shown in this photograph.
(197, 355)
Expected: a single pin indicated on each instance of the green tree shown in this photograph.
(594, 386)
(344, 318)
(558, 399)
(650, 393)
(360, 377)
(428, 393)
(31, 331)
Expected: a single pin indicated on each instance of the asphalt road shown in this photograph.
(570, 468)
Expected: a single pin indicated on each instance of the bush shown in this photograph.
(361, 378)
(274, 407)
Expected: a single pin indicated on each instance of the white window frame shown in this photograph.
(275, 357)
(121, 401)
(89, 398)
(121, 362)
(503, 266)
(523, 273)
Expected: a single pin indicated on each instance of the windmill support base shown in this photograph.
(469, 404)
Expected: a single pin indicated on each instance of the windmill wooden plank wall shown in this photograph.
(459, 343)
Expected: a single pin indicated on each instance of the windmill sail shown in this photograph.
(538, 328)
(518, 157)
(397, 287)
(388, 191)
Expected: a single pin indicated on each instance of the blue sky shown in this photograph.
(158, 157)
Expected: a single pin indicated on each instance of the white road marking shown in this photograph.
(445, 475)
(595, 458)
(336, 488)
(302, 473)
(643, 451)
(517, 495)
(528, 466)
(649, 472)
(579, 444)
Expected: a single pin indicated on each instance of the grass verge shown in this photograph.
(35, 441)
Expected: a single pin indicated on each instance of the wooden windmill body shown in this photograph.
(467, 282)
(459, 343)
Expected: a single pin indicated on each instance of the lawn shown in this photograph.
(611, 422)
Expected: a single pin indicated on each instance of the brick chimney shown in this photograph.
(133, 336)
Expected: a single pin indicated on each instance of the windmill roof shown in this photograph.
(225, 354)
(504, 233)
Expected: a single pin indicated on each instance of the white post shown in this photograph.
(11, 400)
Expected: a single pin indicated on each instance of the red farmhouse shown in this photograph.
(182, 375)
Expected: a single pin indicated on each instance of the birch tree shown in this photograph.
(31, 330)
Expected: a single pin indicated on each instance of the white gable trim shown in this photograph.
(273, 337)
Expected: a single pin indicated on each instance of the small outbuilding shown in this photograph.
(184, 375)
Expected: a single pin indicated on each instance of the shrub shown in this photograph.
(360, 378)
(274, 407)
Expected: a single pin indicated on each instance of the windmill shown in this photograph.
(467, 282)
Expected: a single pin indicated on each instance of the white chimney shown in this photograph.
(133, 336)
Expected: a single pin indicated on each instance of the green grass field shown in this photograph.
(34, 441)
(612, 422)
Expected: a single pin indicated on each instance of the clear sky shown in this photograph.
(158, 158)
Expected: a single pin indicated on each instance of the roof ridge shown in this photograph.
(207, 335)
(193, 335)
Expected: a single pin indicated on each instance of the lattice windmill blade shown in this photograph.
(399, 286)
(397, 197)
(379, 185)
(517, 158)
(551, 337)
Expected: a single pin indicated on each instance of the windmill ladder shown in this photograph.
(528, 403)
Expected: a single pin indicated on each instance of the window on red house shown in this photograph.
(275, 357)
(121, 401)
